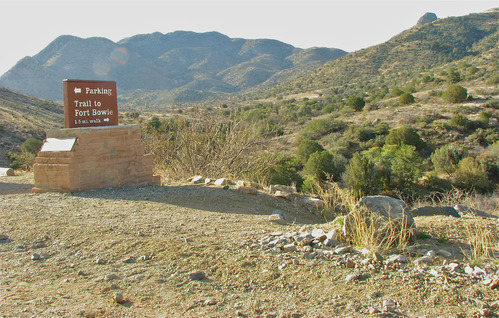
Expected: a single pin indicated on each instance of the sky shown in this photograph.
(26, 27)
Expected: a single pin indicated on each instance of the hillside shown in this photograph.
(179, 66)
(22, 117)
(406, 57)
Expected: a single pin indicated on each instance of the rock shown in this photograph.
(435, 210)
(278, 217)
(309, 255)
(196, 179)
(35, 257)
(247, 184)
(319, 234)
(118, 298)
(207, 181)
(396, 259)
(307, 249)
(290, 248)
(247, 190)
(464, 210)
(377, 211)
(4, 237)
(4, 172)
(389, 304)
(100, 261)
(494, 283)
(222, 182)
(427, 18)
(282, 194)
(313, 203)
(278, 187)
(330, 242)
(197, 275)
(343, 250)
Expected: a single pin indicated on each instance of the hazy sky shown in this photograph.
(28, 26)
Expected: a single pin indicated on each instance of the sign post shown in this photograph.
(89, 103)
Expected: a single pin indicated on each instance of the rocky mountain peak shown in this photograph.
(427, 18)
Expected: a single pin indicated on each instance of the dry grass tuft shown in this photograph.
(483, 242)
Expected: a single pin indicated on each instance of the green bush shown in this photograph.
(357, 103)
(32, 145)
(397, 92)
(459, 121)
(406, 99)
(446, 158)
(23, 160)
(455, 94)
(321, 127)
(284, 172)
(471, 174)
(310, 185)
(306, 148)
(405, 135)
(320, 165)
(362, 176)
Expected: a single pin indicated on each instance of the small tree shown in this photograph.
(455, 94)
(406, 99)
(306, 148)
(357, 103)
(362, 176)
(472, 175)
(446, 158)
(320, 165)
(405, 135)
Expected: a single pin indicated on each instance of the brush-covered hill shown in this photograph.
(182, 66)
(23, 117)
(408, 56)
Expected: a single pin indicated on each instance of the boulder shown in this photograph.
(378, 211)
(427, 18)
(6, 172)
(464, 210)
(278, 187)
(435, 210)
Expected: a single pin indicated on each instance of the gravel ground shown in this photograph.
(196, 251)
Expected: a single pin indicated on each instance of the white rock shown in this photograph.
(290, 248)
(279, 187)
(396, 259)
(343, 249)
(222, 182)
(282, 194)
(196, 179)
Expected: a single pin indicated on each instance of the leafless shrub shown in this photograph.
(206, 146)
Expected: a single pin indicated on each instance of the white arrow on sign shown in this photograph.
(106, 119)
(77, 90)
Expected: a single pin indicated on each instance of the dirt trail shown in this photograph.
(143, 242)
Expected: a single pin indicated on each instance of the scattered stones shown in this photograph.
(396, 259)
(197, 275)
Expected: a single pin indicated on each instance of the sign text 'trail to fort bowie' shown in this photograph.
(90, 103)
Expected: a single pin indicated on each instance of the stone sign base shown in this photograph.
(80, 159)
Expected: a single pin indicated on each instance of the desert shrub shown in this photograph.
(455, 94)
(310, 185)
(381, 128)
(406, 99)
(320, 127)
(320, 165)
(32, 145)
(397, 92)
(356, 102)
(153, 123)
(26, 158)
(493, 80)
(459, 121)
(208, 146)
(446, 158)
(405, 135)
(306, 148)
(362, 176)
(283, 171)
(472, 174)
(484, 137)
(406, 165)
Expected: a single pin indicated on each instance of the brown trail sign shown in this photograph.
(89, 103)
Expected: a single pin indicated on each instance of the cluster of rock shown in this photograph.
(247, 187)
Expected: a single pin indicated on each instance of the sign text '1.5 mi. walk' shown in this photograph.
(90, 103)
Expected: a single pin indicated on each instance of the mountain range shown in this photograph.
(183, 66)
